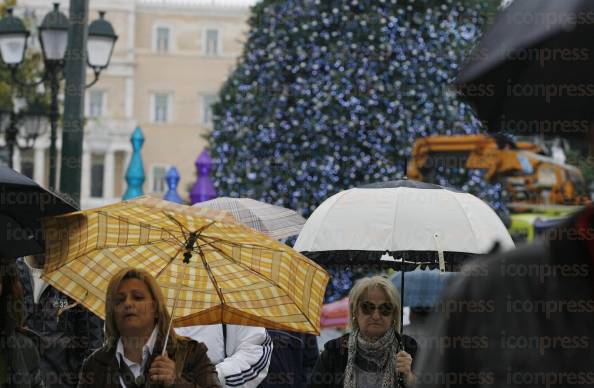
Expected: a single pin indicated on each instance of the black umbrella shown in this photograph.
(532, 72)
(22, 203)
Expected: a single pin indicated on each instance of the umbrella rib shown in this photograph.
(211, 277)
(170, 262)
(66, 262)
(183, 228)
(108, 246)
(470, 226)
(260, 276)
(211, 244)
(176, 221)
(238, 263)
(136, 223)
(229, 242)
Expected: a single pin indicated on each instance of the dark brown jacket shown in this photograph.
(192, 367)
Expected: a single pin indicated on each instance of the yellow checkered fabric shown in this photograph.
(236, 275)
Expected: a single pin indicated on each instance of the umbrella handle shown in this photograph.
(400, 382)
(401, 328)
(439, 252)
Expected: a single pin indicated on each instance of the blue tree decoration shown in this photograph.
(135, 173)
(172, 178)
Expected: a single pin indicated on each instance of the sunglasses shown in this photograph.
(368, 308)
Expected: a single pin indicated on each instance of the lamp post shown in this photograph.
(21, 128)
(53, 37)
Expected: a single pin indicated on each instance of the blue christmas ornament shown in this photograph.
(135, 173)
(172, 179)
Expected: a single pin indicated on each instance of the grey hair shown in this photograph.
(362, 287)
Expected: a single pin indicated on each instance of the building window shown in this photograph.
(96, 103)
(161, 108)
(27, 163)
(4, 156)
(207, 102)
(212, 42)
(159, 184)
(162, 39)
(97, 172)
(119, 173)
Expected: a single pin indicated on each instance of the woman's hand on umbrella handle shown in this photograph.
(163, 370)
(403, 365)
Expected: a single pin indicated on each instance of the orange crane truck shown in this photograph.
(528, 176)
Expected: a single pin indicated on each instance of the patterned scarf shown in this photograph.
(379, 356)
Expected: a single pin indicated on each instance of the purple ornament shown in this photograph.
(203, 189)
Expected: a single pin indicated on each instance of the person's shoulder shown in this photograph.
(408, 340)
(28, 335)
(410, 344)
(536, 252)
(484, 275)
(26, 347)
(200, 331)
(23, 339)
(191, 345)
(103, 355)
(337, 344)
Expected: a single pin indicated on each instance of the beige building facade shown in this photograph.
(170, 60)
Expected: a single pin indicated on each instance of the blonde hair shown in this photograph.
(162, 318)
(361, 288)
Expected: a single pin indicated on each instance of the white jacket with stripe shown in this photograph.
(246, 361)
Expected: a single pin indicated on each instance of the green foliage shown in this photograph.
(30, 71)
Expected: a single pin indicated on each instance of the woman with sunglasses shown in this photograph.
(369, 356)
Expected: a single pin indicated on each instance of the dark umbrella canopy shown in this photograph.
(411, 184)
(22, 203)
(532, 72)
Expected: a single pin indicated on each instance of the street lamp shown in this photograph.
(53, 37)
(13, 39)
(100, 43)
(22, 128)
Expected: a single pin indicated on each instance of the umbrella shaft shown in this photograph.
(173, 311)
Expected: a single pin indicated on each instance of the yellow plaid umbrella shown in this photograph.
(235, 274)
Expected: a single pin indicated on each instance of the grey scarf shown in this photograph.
(380, 355)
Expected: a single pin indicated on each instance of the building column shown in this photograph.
(85, 190)
(39, 165)
(16, 160)
(108, 174)
(129, 101)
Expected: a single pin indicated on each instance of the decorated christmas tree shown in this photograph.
(331, 94)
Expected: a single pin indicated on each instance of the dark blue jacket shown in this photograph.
(293, 358)
(64, 340)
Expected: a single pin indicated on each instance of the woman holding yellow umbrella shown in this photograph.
(209, 270)
(136, 325)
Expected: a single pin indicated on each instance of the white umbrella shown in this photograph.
(401, 216)
(275, 221)
(408, 219)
